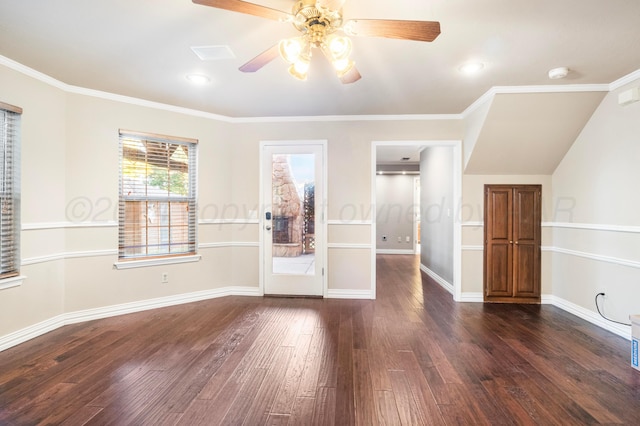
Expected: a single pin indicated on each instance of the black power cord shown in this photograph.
(608, 319)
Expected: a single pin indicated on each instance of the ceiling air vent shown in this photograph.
(213, 53)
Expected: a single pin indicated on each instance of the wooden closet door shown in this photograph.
(512, 243)
(526, 239)
(498, 248)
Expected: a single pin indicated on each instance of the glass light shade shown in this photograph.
(299, 69)
(343, 66)
(339, 47)
(291, 49)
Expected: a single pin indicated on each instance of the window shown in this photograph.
(9, 190)
(157, 203)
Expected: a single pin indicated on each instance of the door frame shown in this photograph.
(320, 218)
(417, 248)
(454, 288)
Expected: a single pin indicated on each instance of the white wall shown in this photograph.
(395, 209)
(597, 234)
(437, 211)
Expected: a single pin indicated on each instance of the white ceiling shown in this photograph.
(141, 48)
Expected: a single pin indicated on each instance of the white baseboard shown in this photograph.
(437, 278)
(391, 251)
(471, 297)
(587, 315)
(572, 308)
(349, 294)
(43, 327)
(28, 333)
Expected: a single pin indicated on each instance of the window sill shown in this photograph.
(155, 262)
(12, 282)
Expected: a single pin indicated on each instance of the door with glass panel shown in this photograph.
(293, 232)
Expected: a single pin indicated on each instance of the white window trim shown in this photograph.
(143, 263)
(12, 282)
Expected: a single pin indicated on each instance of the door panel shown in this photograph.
(500, 214)
(525, 272)
(293, 240)
(526, 220)
(499, 278)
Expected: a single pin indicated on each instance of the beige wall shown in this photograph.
(70, 187)
(70, 192)
(41, 297)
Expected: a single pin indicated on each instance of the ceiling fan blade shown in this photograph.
(334, 5)
(261, 60)
(405, 30)
(248, 8)
(351, 77)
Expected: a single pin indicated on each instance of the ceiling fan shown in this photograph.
(322, 26)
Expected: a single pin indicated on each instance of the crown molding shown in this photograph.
(629, 78)
(487, 96)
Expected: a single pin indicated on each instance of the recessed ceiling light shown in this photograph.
(560, 72)
(213, 53)
(198, 78)
(471, 67)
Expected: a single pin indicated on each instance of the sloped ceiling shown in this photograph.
(530, 133)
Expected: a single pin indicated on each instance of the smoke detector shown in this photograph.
(557, 73)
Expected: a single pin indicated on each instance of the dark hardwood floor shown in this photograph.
(411, 357)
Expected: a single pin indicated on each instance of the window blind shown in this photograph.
(10, 118)
(157, 202)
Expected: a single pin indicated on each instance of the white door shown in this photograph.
(293, 229)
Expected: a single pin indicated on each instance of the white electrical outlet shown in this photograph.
(408, 239)
(165, 278)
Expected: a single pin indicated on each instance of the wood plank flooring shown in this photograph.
(411, 357)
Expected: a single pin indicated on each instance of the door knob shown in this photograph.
(268, 227)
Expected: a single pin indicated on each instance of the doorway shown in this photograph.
(452, 171)
(293, 230)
